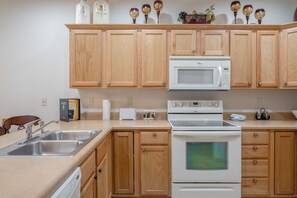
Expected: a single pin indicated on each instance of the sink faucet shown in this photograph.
(41, 128)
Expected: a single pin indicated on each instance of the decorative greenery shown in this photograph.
(208, 12)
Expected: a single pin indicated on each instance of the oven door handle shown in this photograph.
(206, 134)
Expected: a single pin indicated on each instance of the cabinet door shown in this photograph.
(89, 190)
(154, 170)
(214, 43)
(123, 163)
(267, 59)
(242, 47)
(184, 42)
(121, 57)
(290, 58)
(102, 179)
(284, 163)
(85, 58)
(154, 58)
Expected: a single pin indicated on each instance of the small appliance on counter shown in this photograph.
(148, 114)
(127, 114)
(237, 117)
(69, 109)
(262, 115)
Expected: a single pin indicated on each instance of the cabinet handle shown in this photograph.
(255, 148)
(108, 83)
(193, 51)
(255, 181)
(164, 83)
(255, 134)
(154, 134)
(143, 149)
(259, 83)
(203, 52)
(100, 170)
(255, 162)
(249, 83)
(285, 84)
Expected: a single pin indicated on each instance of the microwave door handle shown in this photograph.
(220, 77)
(206, 134)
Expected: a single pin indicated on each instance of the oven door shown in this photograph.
(206, 156)
(196, 77)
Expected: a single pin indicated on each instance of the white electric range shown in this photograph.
(206, 151)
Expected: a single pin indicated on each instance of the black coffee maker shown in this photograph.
(262, 115)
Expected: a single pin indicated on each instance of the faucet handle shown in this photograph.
(41, 125)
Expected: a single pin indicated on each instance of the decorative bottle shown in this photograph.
(82, 13)
(101, 12)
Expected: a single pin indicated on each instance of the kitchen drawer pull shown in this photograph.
(255, 162)
(108, 83)
(203, 52)
(260, 83)
(255, 181)
(255, 148)
(154, 134)
(193, 51)
(249, 83)
(100, 170)
(255, 134)
(285, 84)
(143, 149)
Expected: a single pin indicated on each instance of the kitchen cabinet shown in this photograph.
(89, 190)
(85, 58)
(289, 58)
(243, 58)
(121, 58)
(285, 163)
(267, 59)
(154, 58)
(88, 181)
(255, 163)
(154, 160)
(123, 162)
(200, 43)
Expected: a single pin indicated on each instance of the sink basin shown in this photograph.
(48, 148)
(70, 135)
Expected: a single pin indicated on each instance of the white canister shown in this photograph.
(100, 12)
(106, 109)
(82, 13)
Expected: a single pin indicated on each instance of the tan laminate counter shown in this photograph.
(267, 124)
(40, 176)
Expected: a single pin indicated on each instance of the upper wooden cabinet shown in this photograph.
(200, 43)
(85, 58)
(289, 58)
(243, 60)
(267, 59)
(154, 58)
(121, 58)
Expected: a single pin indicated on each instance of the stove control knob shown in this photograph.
(216, 104)
(174, 104)
(180, 104)
(210, 104)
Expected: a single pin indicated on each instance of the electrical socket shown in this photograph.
(43, 101)
(129, 101)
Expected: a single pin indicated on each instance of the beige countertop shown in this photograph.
(39, 177)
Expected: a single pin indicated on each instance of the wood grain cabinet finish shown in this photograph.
(121, 58)
(184, 43)
(88, 181)
(255, 137)
(254, 187)
(285, 167)
(89, 190)
(214, 43)
(103, 179)
(85, 58)
(242, 52)
(289, 58)
(154, 58)
(267, 59)
(123, 162)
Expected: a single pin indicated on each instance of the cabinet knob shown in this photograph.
(108, 83)
(99, 83)
(255, 162)
(154, 134)
(255, 181)
(100, 170)
(249, 83)
(203, 52)
(285, 84)
(193, 51)
(164, 83)
(143, 149)
(255, 148)
(259, 83)
(255, 134)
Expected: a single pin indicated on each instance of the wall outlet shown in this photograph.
(43, 101)
(129, 101)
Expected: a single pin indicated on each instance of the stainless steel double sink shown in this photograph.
(55, 143)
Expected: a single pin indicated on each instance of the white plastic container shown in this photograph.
(106, 109)
(100, 12)
(82, 13)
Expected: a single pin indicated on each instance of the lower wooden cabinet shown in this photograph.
(254, 187)
(89, 190)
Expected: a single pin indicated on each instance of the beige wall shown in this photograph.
(34, 57)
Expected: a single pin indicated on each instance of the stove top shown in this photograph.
(201, 123)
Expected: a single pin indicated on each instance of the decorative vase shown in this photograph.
(146, 10)
(247, 11)
(158, 5)
(235, 6)
(259, 15)
(134, 13)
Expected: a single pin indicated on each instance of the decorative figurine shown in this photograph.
(259, 15)
(158, 5)
(146, 10)
(247, 11)
(235, 6)
(134, 13)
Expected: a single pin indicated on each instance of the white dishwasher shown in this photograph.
(71, 187)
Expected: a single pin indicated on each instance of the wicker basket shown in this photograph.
(195, 19)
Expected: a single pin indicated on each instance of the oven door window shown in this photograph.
(207, 155)
(196, 76)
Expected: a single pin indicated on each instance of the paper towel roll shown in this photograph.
(106, 110)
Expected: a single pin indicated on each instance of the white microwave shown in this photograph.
(199, 72)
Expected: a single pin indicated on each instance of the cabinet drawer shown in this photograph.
(154, 137)
(255, 137)
(101, 150)
(255, 168)
(254, 151)
(87, 169)
(251, 187)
